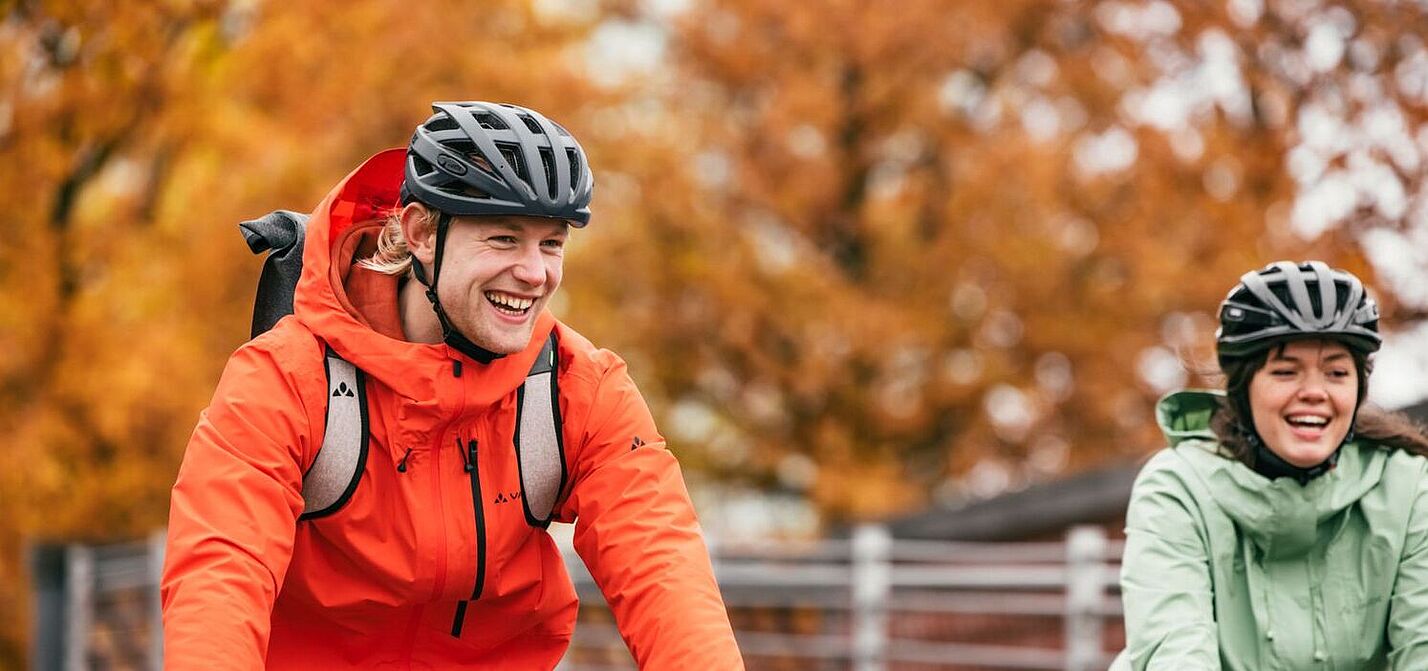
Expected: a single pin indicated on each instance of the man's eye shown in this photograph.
(553, 244)
(504, 239)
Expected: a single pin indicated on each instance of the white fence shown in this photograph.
(96, 607)
(860, 601)
(867, 603)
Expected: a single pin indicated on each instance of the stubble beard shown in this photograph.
(486, 332)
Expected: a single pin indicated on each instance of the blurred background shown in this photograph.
(869, 261)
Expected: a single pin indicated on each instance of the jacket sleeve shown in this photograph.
(635, 528)
(1165, 577)
(232, 518)
(1408, 605)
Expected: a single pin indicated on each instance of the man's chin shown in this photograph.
(503, 341)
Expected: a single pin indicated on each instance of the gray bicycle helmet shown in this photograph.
(481, 158)
(1285, 300)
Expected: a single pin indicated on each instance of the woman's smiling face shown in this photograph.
(1303, 400)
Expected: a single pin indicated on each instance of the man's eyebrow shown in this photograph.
(514, 227)
(501, 225)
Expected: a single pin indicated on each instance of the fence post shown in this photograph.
(79, 604)
(47, 646)
(872, 588)
(155, 555)
(1085, 588)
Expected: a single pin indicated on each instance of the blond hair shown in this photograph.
(392, 256)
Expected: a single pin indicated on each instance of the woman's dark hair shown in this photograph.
(1233, 422)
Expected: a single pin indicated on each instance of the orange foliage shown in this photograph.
(882, 239)
(854, 249)
(133, 137)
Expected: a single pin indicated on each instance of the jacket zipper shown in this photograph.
(476, 503)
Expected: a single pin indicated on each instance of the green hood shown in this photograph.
(1280, 516)
(1185, 415)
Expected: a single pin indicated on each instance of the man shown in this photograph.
(417, 540)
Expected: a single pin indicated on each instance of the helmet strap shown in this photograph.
(1271, 466)
(449, 333)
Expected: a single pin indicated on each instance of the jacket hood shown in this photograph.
(354, 209)
(1280, 516)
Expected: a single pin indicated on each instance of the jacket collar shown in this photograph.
(1281, 516)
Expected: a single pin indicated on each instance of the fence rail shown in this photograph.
(866, 603)
(868, 586)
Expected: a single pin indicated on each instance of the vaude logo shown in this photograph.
(502, 497)
(343, 390)
(636, 443)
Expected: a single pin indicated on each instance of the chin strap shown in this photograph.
(1268, 464)
(449, 334)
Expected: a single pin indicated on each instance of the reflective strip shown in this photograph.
(334, 473)
(538, 439)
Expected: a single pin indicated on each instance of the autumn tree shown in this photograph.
(133, 137)
(871, 253)
(938, 248)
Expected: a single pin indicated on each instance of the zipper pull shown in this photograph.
(471, 451)
(456, 367)
(402, 465)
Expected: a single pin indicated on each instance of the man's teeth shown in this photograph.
(1308, 420)
(510, 302)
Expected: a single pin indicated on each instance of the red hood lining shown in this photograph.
(370, 192)
(369, 296)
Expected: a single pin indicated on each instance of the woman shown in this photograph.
(1286, 526)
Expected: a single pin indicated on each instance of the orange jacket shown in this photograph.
(387, 581)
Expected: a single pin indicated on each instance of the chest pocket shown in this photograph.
(342, 457)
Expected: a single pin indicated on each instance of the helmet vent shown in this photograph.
(441, 124)
(513, 157)
(574, 166)
(490, 121)
(547, 164)
(532, 125)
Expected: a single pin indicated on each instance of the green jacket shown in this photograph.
(1225, 569)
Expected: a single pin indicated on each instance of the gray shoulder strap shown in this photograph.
(342, 456)
(539, 443)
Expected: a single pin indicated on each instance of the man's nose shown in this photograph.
(530, 267)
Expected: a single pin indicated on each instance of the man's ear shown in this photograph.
(419, 230)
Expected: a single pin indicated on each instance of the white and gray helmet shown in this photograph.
(1285, 300)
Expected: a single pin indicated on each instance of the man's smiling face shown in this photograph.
(497, 274)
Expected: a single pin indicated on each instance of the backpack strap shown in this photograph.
(342, 456)
(539, 441)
